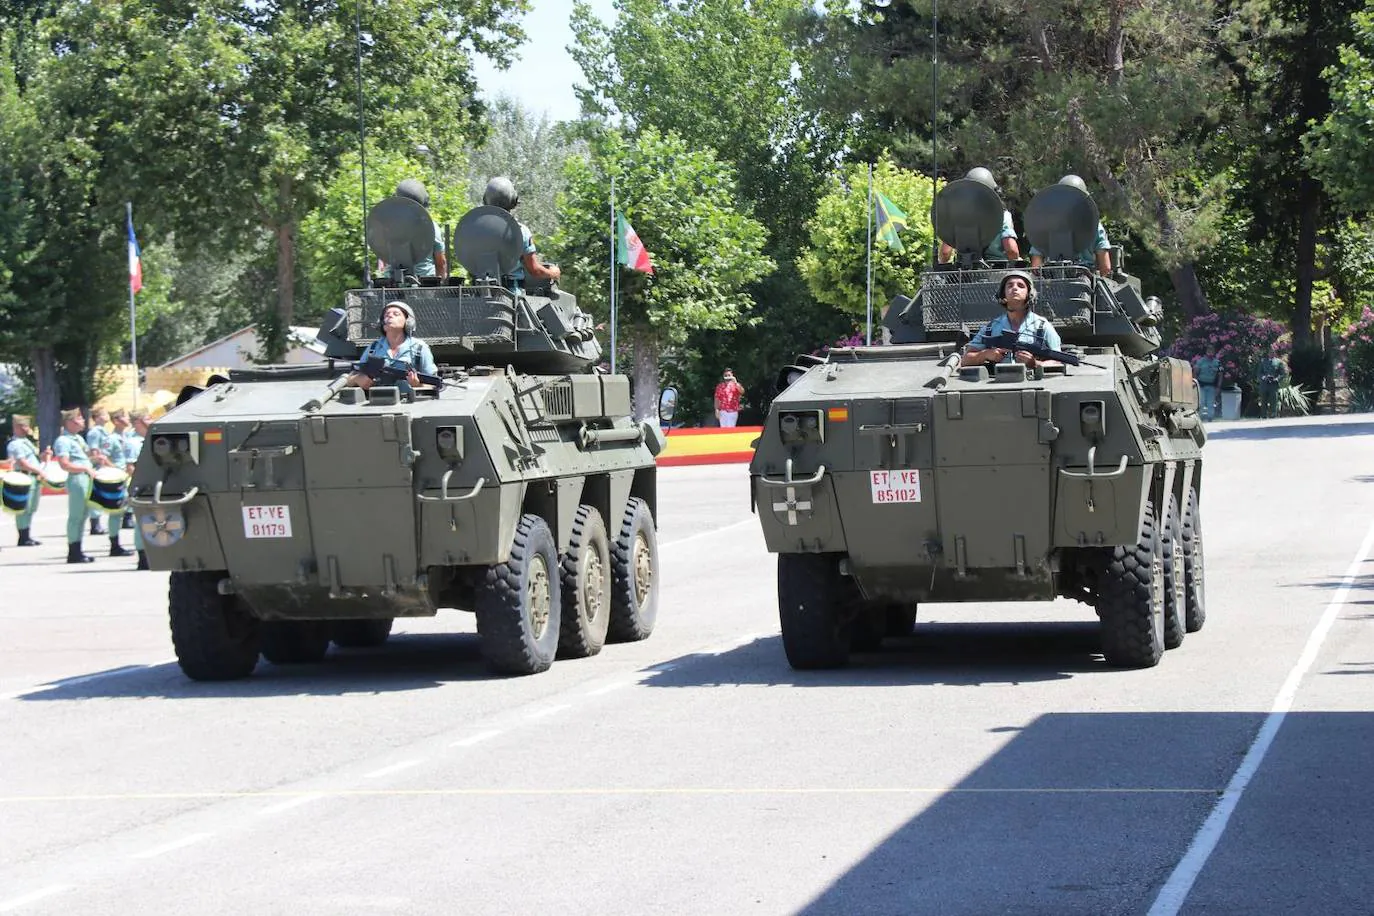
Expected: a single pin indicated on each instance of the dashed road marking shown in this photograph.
(602, 691)
(393, 768)
(293, 803)
(470, 740)
(548, 711)
(14, 903)
(172, 846)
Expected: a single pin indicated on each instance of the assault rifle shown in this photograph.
(393, 371)
(1011, 342)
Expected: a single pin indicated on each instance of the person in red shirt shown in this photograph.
(728, 394)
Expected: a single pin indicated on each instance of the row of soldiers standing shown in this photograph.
(80, 451)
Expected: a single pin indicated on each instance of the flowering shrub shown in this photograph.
(1240, 341)
(1359, 354)
(853, 340)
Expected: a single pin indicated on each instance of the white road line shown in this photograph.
(292, 803)
(548, 711)
(707, 534)
(1175, 891)
(470, 740)
(394, 768)
(602, 691)
(173, 846)
(9, 906)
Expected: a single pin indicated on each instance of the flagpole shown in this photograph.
(133, 325)
(613, 272)
(868, 266)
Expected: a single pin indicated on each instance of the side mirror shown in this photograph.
(667, 404)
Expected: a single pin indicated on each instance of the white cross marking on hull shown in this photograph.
(792, 505)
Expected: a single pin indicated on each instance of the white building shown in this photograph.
(241, 348)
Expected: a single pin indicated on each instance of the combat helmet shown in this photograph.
(404, 307)
(1032, 297)
(1074, 181)
(501, 193)
(413, 190)
(983, 176)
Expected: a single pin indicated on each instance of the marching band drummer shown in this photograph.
(75, 457)
(98, 442)
(24, 454)
(116, 451)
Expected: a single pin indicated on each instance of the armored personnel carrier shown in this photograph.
(293, 509)
(887, 476)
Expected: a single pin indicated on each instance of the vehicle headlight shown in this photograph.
(797, 427)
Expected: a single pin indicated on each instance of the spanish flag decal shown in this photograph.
(214, 435)
(838, 414)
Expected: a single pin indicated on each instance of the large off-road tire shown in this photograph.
(817, 627)
(1171, 552)
(1194, 571)
(214, 638)
(899, 620)
(295, 642)
(518, 603)
(634, 575)
(360, 634)
(586, 582)
(1131, 600)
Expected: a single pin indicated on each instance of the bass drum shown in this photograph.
(109, 490)
(54, 476)
(16, 492)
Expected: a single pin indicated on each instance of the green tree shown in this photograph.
(530, 151)
(835, 265)
(722, 74)
(1122, 93)
(247, 109)
(705, 246)
(1340, 149)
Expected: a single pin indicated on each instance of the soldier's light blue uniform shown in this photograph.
(98, 437)
(133, 447)
(1034, 329)
(995, 250)
(1086, 256)
(73, 448)
(1207, 371)
(21, 449)
(527, 237)
(426, 268)
(413, 351)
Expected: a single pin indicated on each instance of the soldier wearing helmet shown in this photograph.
(1005, 245)
(1017, 295)
(501, 193)
(1099, 255)
(437, 264)
(398, 343)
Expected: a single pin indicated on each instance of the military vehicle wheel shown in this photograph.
(295, 642)
(634, 575)
(1172, 554)
(361, 634)
(518, 603)
(899, 620)
(1131, 601)
(1194, 575)
(586, 575)
(816, 627)
(215, 640)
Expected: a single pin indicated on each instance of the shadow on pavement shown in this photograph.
(1280, 430)
(405, 662)
(1356, 582)
(1084, 813)
(962, 654)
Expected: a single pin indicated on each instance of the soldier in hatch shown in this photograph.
(437, 264)
(398, 343)
(501, 193)
(1005, 245)
(1099, 255)
(1017, 295)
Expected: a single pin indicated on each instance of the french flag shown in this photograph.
(135, 259)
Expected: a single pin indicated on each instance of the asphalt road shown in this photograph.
(988, 764)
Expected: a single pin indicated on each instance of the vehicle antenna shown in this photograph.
(934, 120)
(362, 134)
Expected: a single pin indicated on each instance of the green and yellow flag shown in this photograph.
(890, 220)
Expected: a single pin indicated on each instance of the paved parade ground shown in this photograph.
(990, 763)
